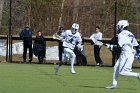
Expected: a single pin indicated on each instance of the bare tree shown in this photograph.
(1, 9)
(75, 9)
(29, 12)
(62, 7)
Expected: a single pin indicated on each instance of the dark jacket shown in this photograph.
(114, 41)
(26, 35)
(39, 46)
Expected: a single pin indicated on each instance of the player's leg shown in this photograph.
(57, 67)
(115, 76)
(64, 59)
(116, 73)
(126, 66)
(72, 60)
(138, 76)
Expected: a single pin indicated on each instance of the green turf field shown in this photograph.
(34, 78)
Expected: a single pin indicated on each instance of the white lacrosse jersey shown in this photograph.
(97, 36)
(71, 39)
(127, 41)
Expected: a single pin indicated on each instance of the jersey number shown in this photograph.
(71, 40)
(131, 36)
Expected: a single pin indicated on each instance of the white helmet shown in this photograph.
(74, 28)
(121, 25)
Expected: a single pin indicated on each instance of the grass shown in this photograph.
(34, 78)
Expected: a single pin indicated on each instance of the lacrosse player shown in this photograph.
(72, 39)
(126, 42)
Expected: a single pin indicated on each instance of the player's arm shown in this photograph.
(21, 34)
(113, 47)
(92, 38)
(95, 41)
(79, 43)
(100, 36)
(137, 47)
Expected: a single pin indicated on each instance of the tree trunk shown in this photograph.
(1, 9)
(75, 10)
(29, 12)
(60, 18)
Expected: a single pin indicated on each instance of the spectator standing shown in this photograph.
(26, 36)
(98, 36)
(80, 55)
(39, 47)
(116, 51)
(60, 46)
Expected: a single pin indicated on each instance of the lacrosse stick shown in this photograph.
(56, 36)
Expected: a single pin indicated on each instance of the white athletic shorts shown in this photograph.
(68, 55)
(125, 62)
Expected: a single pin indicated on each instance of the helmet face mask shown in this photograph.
(74, 28)
(121, 25)
(119, 28)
